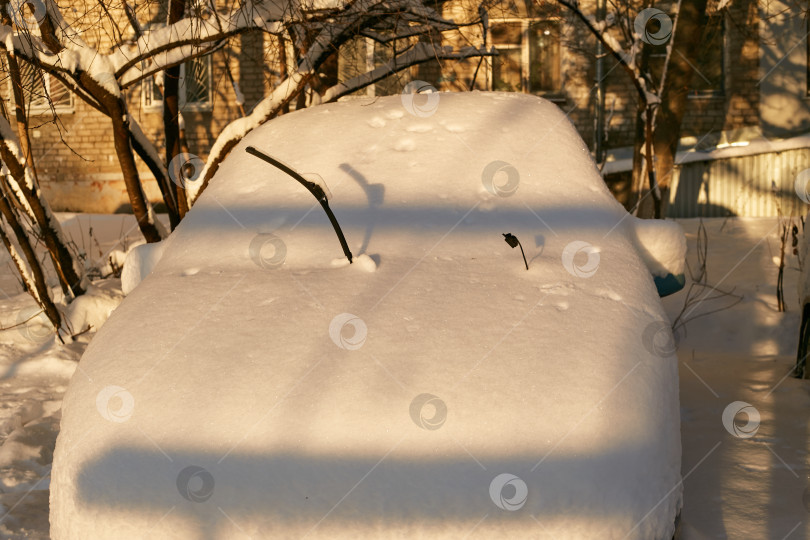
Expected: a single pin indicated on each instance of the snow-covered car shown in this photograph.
(255, 383)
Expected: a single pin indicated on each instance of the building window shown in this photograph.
(195, 89)
(528, 56)
(362, 55)
(42, 92)
(708, 78)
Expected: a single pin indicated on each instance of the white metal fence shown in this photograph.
(750, 185)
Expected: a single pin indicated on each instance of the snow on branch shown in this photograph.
(406, 32)
(193, 36)
(359, 16)
(320, 26)
(66, 34)
(421, 52)
(156, 50)
(240, 127)
(16, 161)
(351, 20)
(166, 59)
(189, 31)
(68, 62)
(21, 265)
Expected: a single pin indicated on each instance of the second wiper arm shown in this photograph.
(315, 189)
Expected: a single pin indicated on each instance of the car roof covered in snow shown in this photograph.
(256, 383)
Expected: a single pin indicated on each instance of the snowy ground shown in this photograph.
(34, 373)
(735, 487)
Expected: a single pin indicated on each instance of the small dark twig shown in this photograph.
(695, 295)
(23, 323)
(89, 327)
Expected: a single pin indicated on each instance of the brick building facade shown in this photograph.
(542, 50)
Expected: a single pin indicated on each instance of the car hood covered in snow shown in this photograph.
(257, 385)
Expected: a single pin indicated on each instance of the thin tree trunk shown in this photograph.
(25, 279)
(155, 167)
(282, 57)
(50, 230)
(61, 257)
(649, 162)
(115, 107)
(692, 20)
(171, 113)
(126, 158)
(645, 207)
(161, 175)
(640, 204)
(41, 293)
(164, 183)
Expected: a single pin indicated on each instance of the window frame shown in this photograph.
(371, 51)
(152, 104)
(49, 106)
(525, 54)
(371, 56)
(719, 93)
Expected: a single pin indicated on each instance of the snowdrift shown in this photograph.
(255, 384)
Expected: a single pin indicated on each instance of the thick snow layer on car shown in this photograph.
(662, 246)
(434, 388)
(140, 261)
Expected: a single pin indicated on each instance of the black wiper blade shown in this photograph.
(513, 242)
(313, 188)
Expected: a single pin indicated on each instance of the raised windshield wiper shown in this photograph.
(315, 189)
(512, 240)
